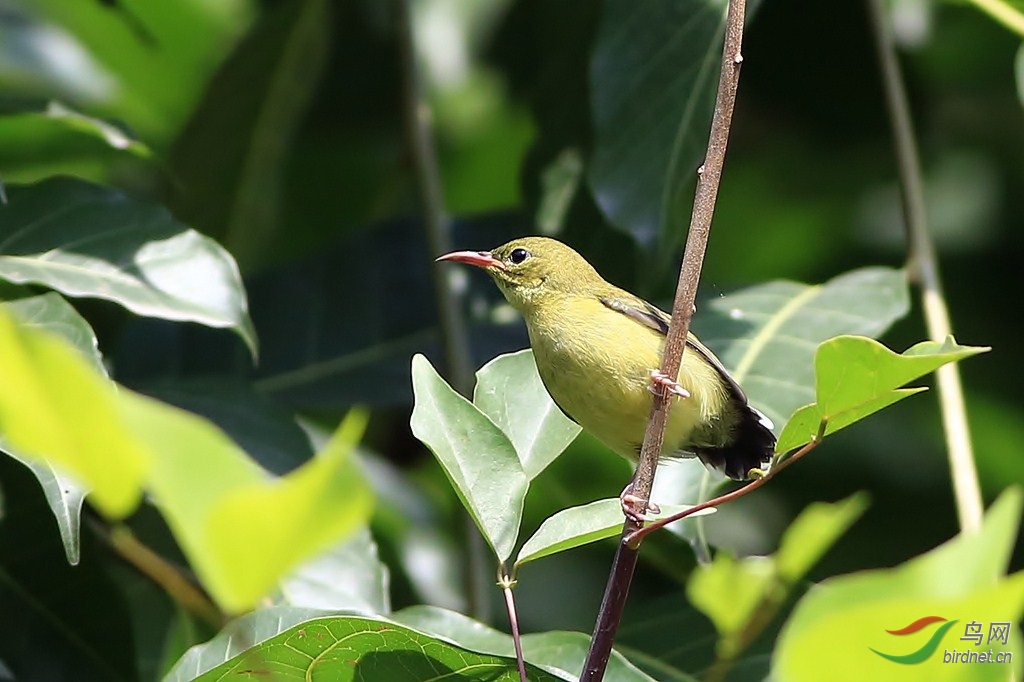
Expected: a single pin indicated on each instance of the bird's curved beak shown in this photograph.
(481, 259)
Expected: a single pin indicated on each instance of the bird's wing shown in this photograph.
(655, 318)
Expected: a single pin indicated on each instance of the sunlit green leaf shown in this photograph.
(509, 391)
(577, 526)
(86, 240)
(241, 528)
(739, 594)
(477, 457)
(842, 624)
(52, 312)
(856, 377)
(65, 411)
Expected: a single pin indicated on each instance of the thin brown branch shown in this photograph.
(633, 539)
(922, 263)
(708, 177)
(162, 572)
(437, 227)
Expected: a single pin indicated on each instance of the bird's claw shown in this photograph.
(673, 387)
(633, 507)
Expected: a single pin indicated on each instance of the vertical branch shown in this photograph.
(708, 177)
(454, 340)
(437, 226)
(924, 269)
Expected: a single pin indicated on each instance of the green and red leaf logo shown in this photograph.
(928, 648)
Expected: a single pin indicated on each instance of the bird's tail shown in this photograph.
(751, 448)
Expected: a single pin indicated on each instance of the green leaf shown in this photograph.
(250, 114)
(66, 411)
(241, 529)
(812, 533)
(144, 63)
(63, 493)
(342, 648)
(347, 577)
(767, 334)
(842, 624)
(242, 633)
(509, 391)
(85, 240)
(476, 455)
(653, 74)
(60, 141)
(577, 526)
(741, 595)
(856, 377)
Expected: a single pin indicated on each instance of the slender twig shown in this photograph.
(437, 226)
(708, 177)
(923, 266)
(506, 583)
(633, 539)
(162, 572)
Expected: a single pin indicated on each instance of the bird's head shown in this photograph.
(531, 270)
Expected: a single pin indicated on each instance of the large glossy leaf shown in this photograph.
(767, 334)
(345, 648)
(846, 622)
(509, 391)
(249, 114)
(85, 240)
(856, 377)
(653, 73)
(476, 455)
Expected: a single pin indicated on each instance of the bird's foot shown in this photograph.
(673, 387)
(637, 508)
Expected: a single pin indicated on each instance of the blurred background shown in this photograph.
(278, 128)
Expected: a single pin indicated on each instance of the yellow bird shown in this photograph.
(598, 347)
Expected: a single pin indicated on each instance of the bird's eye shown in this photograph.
(518, 256)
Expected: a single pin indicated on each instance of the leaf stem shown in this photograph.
(922, 264)
(507, 583)
(708, 178)
(1003, 12)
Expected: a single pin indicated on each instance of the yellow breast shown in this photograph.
(596, 364)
